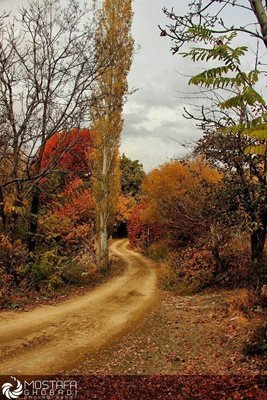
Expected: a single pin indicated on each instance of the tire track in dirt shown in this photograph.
(51, 339)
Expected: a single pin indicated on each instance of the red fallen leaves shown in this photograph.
(166, 387)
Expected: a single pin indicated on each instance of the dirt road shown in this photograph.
(51, 339)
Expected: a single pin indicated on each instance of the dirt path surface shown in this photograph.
(51, 339)
(183, 335)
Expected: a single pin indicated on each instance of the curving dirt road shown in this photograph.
(51, 339)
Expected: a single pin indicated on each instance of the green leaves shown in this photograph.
(201, 33)
(259, 133)
(213, 77)
(249, 97)
(230, 56)
(228, 75)
(259, 150)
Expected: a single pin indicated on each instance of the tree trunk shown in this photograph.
(258, 238)
(33, 222)
(260, 14)
(103, 215)
(103, 242)
(257, 243)
(2, 209)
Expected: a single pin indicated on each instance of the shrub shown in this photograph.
(158, 251)
(140, 233)
(237, 268)
(242, 301)
(192, 270)
(82, 270)
(257, 345)
(167, 277)
(48, 268)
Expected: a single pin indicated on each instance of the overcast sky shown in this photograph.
(154, 129)
(154, 125)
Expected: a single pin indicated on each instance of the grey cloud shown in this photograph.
(166, 131)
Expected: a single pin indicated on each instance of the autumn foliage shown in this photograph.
(69, 151)
(182, 223)
(79, 205)
(140, 233)
(175, 200)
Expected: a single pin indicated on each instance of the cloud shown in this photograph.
(154, 124)
(155, 135)
(149, 149)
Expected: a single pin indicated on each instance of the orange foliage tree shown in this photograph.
(177, 194)
(177, 198)
(70, 219)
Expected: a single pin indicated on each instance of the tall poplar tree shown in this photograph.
(113, 40)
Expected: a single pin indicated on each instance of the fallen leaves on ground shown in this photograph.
(192, 335)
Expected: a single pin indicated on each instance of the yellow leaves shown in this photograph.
(210, 175)
(259, 150)
(114, 48)
(5, 242)
(125, 207)
(172, 189)
(11, 206)
(257, 131)
(176, 178)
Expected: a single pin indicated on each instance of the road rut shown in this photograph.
(51, 339)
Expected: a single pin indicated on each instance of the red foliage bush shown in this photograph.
(139, 233)
(192, 269)
(69, 150)
(79, 206)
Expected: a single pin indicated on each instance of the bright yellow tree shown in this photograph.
(176, 194)
(113, 41)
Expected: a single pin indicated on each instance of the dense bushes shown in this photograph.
(187, 271)
(190, 222)
(49, 275)
(158, 251)
(32, 276)
(43, 225)
(237, 266)
(190, 269)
